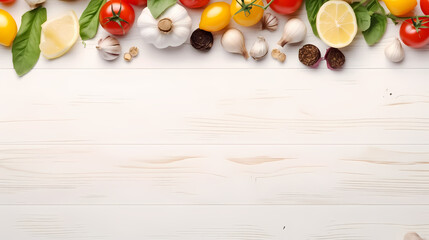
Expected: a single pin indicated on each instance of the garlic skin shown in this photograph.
(35, 3)
(412, 236)
(171, 29)
(109, 48)
(259, 49)
(394, 51)
(233, 42)
(269, 22)
(294, 32)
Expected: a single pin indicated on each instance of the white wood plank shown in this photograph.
(212, 222)
(359, 55)
(172, 174)
(214, 107)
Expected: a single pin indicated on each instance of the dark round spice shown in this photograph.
(335, 58)
(202, 40)
(309, 55)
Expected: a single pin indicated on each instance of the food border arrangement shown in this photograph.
(167, 23)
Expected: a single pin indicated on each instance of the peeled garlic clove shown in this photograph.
(269, 22)
(294, 32)
(109, 48)
(412, 236)
(233, 42)
(259, 49)
(394, 51)
(278, 55)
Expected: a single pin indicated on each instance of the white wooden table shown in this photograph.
(185, 145)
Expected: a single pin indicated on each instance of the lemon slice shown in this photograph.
(336, 23)
(59, 35)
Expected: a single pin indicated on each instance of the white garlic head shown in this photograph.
(109, 48)
(172, 28)
(259, 49)
(394, 51)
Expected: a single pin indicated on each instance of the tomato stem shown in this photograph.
(116, 17)
(247, 7)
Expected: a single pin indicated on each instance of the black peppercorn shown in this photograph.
(202, 40)
(335, 58)
(309, 55)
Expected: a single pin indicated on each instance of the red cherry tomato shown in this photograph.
(415, 34)
(194, 3)
(117, 17)
(285, 6)
(424, 5)
(7, 1)
(137, 2)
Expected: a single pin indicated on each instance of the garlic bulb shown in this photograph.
(233, 42)
(394, 51)
(412, 236)
(294, 32)
(269, 22)
(109, 48)
(172, 28)
(259, 49)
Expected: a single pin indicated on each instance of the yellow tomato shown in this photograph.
(7, 28)
(215, 17)
(248, 17)
(400, 7)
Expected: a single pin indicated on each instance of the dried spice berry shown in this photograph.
(202, 40)
(335, 58)
(310, 55)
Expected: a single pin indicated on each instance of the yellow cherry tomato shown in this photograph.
(7, 28)
(400, 7)
(250, 15)
(215, 17)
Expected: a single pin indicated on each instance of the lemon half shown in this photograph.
(336, 23)
(59, 35)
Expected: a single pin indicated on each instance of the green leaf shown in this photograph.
(363, 16)
(377, 29)
(157, 7)
(25, 49)
(312, 7)
(88, 21)
(375, 7)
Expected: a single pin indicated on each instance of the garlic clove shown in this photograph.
(294, 32)
(278, 55)
(109, 48)
(259, 49)
(233, 41)
(269, 22)
(394, 51)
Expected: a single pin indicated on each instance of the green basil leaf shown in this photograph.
(25, 49)
(377, 29)
(363, 17)
(375, 7)
(312, 7)
(157, 7)
(88, 21)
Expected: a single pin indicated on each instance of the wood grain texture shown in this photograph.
(215, 107)
(172, 174)
(212, 146)
(213, 222)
